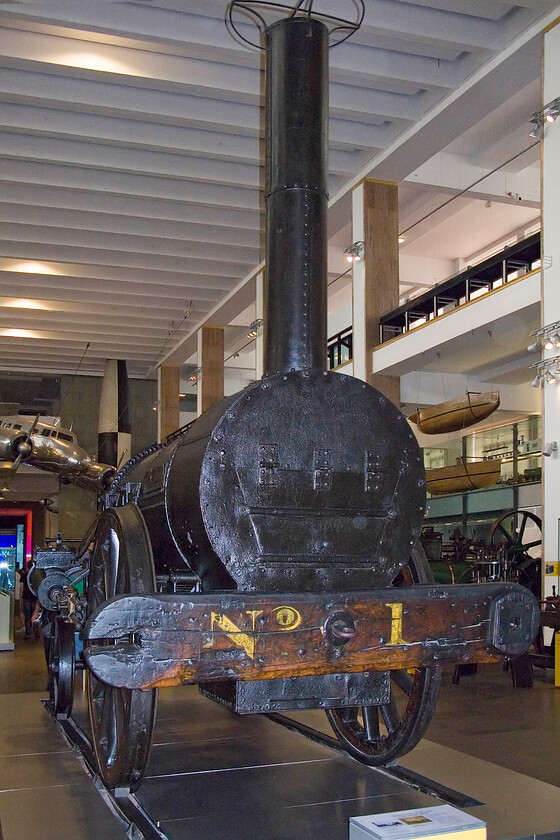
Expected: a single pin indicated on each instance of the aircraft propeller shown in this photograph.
(24, 449)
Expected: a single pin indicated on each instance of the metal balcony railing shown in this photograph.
(464, 287)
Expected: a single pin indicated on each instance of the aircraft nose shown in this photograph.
(24, 448)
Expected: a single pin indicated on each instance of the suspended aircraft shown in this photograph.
(50, 447)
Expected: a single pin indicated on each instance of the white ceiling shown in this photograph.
(130, 135)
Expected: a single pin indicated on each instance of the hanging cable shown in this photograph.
(462, 192)
(73, 378)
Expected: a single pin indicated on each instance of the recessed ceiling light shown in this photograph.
(29, 267)
(26, 303)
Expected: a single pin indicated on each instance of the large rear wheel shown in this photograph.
(121, 720)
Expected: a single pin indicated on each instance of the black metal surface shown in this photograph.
(254, 791)
(327, 820)
(296, 195)
(510, 633)
(425, 785)
(324, 691)
(290, 503)
(263, 492)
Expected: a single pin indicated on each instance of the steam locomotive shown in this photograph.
(270, 552)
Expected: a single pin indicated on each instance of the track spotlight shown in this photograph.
(546, 370)
(547, 114)
(549, 448)
(354, 252)
(255, 328)
(194, 375)
(547, 337)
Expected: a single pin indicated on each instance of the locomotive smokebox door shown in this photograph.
(312, 481)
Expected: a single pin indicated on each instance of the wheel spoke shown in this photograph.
(391, 717)
(506, 534)
(370, 715)
(404, 681)
(532, 544)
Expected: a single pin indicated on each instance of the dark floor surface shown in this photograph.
(483, 716)
(23, 669)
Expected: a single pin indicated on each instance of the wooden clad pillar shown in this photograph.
(168, 400)
(259, 314)
(376, 277)
(210, 388)
(550, 291)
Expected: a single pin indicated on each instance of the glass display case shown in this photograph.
(11, 558)
(8, 549)
(517, 446)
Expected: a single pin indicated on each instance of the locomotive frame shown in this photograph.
(261, 553)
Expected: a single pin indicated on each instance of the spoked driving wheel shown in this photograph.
(121, 720)
(377, 735)
(518, 532)
(61, 665)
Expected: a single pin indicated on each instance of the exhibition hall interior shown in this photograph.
(280, 419)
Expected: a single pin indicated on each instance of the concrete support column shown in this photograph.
(259, 315)
(210, 388)
(168, 400)
(551, 309)
(375, 278)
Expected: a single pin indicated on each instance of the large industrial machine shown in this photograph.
(270, 551)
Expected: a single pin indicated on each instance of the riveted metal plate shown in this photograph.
(332, 498)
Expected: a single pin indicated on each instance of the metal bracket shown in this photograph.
(268, 462)
(322, 470)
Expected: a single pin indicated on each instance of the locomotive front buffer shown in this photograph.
(148, 641)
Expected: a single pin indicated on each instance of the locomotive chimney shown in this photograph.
(296, 195)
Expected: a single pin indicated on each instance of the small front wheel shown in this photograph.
(378, 735)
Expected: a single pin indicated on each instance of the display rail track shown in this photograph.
(134, 819)
(409, 777)
(139, 825)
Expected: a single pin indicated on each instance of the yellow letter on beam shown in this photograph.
(233, 633)
(396, 624)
